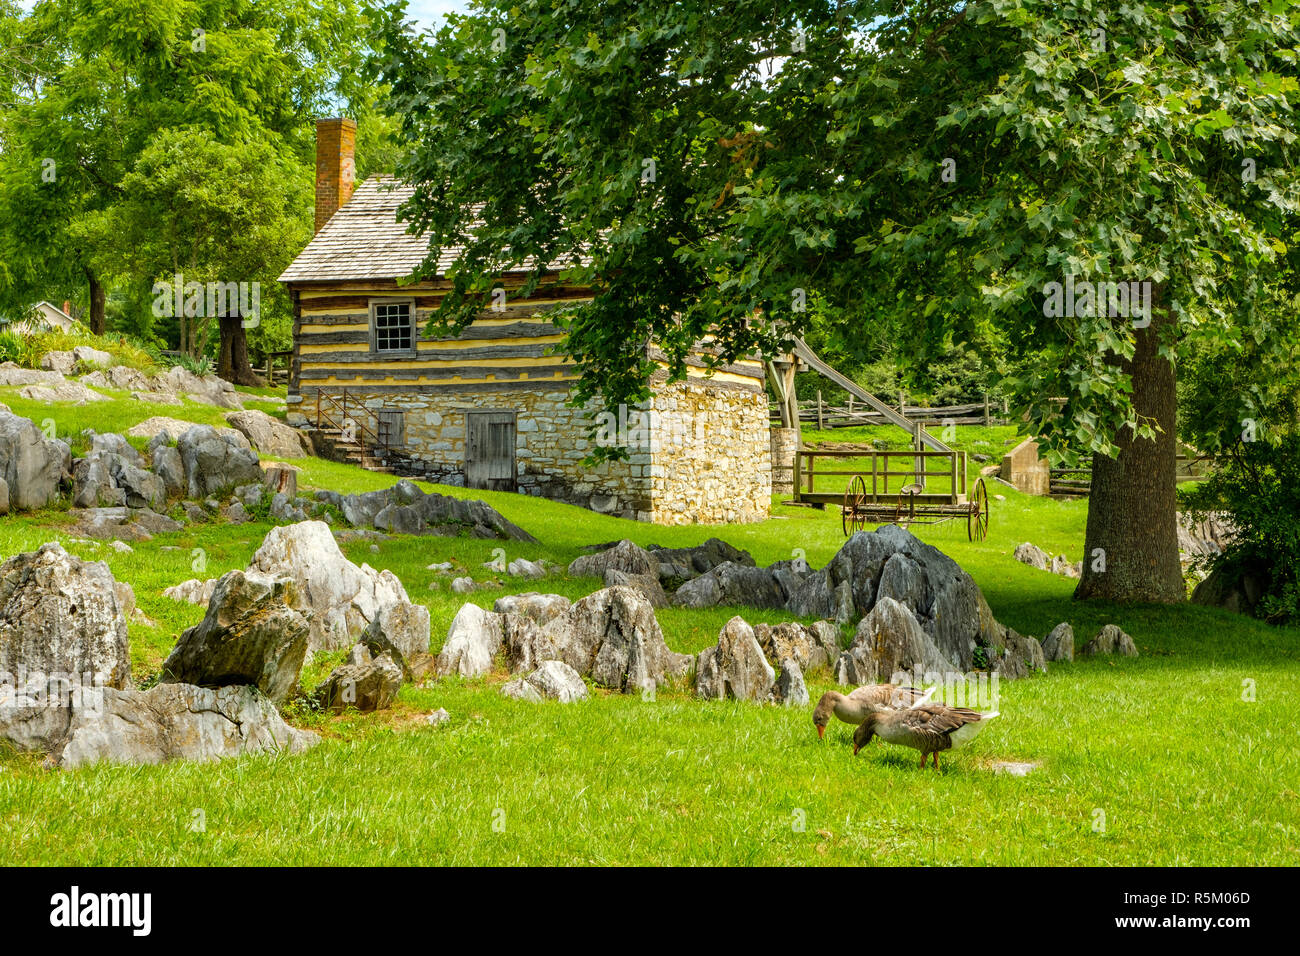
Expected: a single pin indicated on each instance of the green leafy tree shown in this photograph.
(105, 78)
(198, 210)
(701, 166)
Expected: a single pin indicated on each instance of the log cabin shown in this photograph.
(490, 408)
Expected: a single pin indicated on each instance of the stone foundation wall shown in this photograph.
(549, 448)
(712, 462)
(700, 455)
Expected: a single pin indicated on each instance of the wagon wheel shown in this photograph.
(855, 499)
(905, 512)
(977, 517)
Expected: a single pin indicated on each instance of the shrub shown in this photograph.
(1258, 485)
(26, 349)
(200, 366)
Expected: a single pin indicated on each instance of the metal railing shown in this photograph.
(333, 411)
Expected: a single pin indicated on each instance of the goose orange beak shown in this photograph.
(821, 733)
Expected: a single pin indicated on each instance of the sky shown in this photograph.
(427, 12)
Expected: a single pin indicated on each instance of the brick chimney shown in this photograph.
(336, 169)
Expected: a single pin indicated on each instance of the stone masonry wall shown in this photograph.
(713, 460)
(549, 448)
(701, 455)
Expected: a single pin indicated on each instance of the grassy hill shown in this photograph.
(1154, 760)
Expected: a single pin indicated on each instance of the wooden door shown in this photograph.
(391, 427)
(490, 450)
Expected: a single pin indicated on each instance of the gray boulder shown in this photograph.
(890, 641)
(175, 722)
(405, 509)
(1021, 656)
(93, 485)
(11, 374)
(521, 689)
(269, 436)
(739, 584)
(541, 608)
(140, 488)
(678, 565)
(1061, 565)
(61, 362)
(619, 643)
(62, 631)
(647, 584)
(339, 598)
(91, 356)
(790, 689)
(523, 568)
(284, 508)
(943, 598)
(553, 680)
(810, 646)
(168, 466)
(193, 591)
(1032, 555)
(121, 523)
(472, 642)
(31, 465)
(611, 635)
(626, 556)
(1234, 585)
(402, 632)
(1058, 645)
(735, 667)
(249, 635)
(365, 682)
(1111, 640)
(213, 461)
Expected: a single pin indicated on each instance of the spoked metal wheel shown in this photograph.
(977, 518)
(855, 501)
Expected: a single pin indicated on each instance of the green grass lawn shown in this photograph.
(1163, 749)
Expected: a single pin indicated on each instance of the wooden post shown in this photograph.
(798, 470)
(850, 408)
(918, 461)
(902, 402)
(820, 423)
(1005, 411)
(987, 420)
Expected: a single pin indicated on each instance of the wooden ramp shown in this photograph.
(809, 358)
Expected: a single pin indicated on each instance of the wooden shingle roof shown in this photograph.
(364, 240)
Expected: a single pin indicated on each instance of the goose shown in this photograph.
(854, 707)
(928, 728)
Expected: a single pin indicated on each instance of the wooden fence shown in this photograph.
(1077, 481)
(825, 415)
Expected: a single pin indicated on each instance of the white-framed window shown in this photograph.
(392, 327)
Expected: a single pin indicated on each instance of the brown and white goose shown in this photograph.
(928, 728)
(853, 708)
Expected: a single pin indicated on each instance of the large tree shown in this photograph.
(706, 168)
(208, 212)
(97, 83)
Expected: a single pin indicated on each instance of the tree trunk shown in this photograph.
(98, 299)
(1131, 549)
(232, 358)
